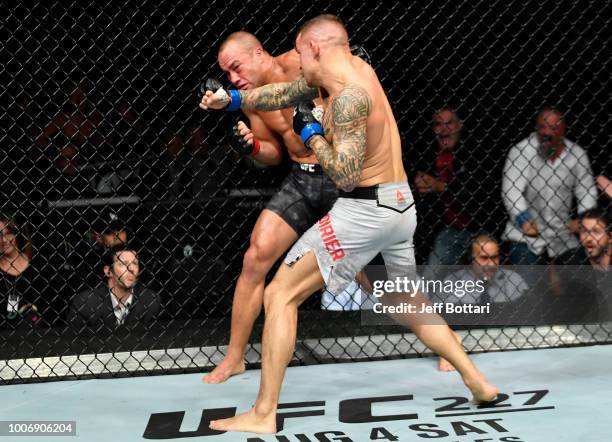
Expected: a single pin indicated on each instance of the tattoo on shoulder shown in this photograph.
(344, 162)
(351, 106)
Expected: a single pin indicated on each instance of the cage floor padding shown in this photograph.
(547, 395)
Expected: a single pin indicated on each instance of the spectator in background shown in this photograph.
(595, 243)
(76, 140)
(75, 125)
(181, 171)
(448, 189)
(108, 230)
(582, 283)
(541, 176)
(23, 288)
(500, 285)
(121, 302)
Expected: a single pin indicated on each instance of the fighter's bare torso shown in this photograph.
(281, 121)
(383, 157)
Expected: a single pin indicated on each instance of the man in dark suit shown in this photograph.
(121, 302)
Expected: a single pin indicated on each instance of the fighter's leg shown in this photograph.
(431, 328)
(443, 364)
(289, 288)
(271, 237)
(440, 339)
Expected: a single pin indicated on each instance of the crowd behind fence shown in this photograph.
(106, 155)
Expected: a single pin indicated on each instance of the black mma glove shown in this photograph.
(305, 124)
(231, 96)
(240, 145)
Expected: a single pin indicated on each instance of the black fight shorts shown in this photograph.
(305, 196)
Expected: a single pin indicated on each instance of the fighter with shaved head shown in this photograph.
(358, 146)
(305, 195)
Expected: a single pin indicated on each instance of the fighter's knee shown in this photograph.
(257, 259)
(271, 297)
(278, 296)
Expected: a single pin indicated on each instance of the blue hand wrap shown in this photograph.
(309, 130)
(522, 218)
(235, 102)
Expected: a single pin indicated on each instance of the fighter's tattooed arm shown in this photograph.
(277, 95)
(343, 160)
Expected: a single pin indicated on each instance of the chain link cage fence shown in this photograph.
(103, 142)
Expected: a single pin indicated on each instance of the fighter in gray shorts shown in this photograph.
(304, 197)
(361, 224)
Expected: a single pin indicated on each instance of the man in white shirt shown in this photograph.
(542, 174)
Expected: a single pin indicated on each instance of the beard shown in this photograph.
(487, 272)
(595, 253)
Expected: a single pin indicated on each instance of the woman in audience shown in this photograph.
(21, 285)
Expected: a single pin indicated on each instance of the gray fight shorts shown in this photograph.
(361, 224)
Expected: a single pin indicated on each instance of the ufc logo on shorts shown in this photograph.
(308, 167)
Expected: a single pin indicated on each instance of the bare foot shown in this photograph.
(223, 371)
(443, 364)
(249, 422)
(481, 389)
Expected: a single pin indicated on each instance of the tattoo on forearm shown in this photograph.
(343, 160)
(277, 95)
